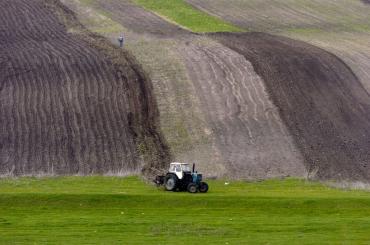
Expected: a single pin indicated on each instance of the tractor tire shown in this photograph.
(159, 180)
(192, 188)
(170, 182)
(203, 187)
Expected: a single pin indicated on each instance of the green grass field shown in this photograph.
(110, 210)
(187, 16)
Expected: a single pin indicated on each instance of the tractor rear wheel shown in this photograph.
(170, 182)
(203, 187)
(192, 188)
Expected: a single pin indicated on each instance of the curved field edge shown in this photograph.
(126, 210)
(182, 123)
(341, 27)
(185, 15)
(280, 16)
(320, 99)
(150, 144)
(333, 147)
(87, 138)
(238, 131)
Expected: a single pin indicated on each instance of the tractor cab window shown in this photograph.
(185, 168)
(178, 169)
(173, 168)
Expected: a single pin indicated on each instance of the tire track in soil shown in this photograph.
(322, 102)
(340, 27)
(64, 105)
(234, 99)
(246, 137)
(171, 91)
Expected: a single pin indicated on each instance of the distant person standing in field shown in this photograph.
(121, 40)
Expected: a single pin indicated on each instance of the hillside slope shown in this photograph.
(70, 104)
(247, 105)
(251, 105)
(214, 109)
(322, 102)
(341, 27)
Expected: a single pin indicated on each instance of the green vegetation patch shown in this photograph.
(187, 16)
(111, 210)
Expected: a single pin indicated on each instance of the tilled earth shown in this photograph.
(341, 27)
(321, 101)
(270, 105)
(242, 105)
(248, 130)
(66, 108)
(230, 125)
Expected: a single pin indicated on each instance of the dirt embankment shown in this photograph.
(214, 108)
(321, 101)
(70, 103)
(248, 131)
(249, 105)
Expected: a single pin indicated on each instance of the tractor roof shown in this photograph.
(177, 163)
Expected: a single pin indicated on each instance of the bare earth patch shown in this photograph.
(214, 107)
(252, 105)
(67, 106)
(247, 105)
(321, 101)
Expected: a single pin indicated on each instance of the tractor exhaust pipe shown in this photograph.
(193, 167)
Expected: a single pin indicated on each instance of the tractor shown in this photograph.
(180, 177)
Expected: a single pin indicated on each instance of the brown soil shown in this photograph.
(320, 102)
(247, 129)
(340, 27)
(214, 107)
(319, 98)
(242, 105)
(70, 104)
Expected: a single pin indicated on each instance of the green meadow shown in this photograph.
(112, 210)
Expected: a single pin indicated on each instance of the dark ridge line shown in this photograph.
(47, 129)
(148, 132)
(339, 150)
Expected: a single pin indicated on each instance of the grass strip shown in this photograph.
(187, 16)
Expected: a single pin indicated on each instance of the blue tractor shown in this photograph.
(180, 177)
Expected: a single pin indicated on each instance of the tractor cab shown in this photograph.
(180, 169)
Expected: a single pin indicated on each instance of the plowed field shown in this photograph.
(247, 127)
(66, 108)
(214, 107)
(242, 105)
(252, 105)
(322, 102)
(341, 27)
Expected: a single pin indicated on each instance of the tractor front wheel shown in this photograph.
(203, 187)
(171, 182)
(192, 188)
